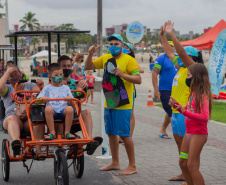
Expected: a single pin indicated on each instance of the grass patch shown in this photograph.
(159, 105)
(218, 111)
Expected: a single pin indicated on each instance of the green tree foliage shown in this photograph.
(29, 21)
(74, 39)
(34, 41)
(124, 37)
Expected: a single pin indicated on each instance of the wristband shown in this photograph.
(39, 102)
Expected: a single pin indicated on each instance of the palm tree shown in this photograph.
(22, 41)
(29, 21)
(34, 41)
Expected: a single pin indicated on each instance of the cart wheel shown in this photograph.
(61, 169)
(78, 164)
(5, 161)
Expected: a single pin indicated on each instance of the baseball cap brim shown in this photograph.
(128, 45)
(116, 36)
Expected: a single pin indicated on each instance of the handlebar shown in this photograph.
(24, 81)
(33, 91)
(80, 96)
(19, 93)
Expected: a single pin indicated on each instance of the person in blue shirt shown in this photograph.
(162, 91)
(36, 63)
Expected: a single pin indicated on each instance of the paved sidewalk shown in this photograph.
(157, 158)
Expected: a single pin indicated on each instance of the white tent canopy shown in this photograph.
(43, 53)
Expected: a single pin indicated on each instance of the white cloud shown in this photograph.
(188, 15)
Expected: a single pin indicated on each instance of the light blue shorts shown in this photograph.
(117, 122)
(178, 124)
(133, 98)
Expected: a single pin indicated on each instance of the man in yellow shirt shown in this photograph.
(120, 73)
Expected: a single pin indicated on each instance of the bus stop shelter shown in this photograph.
(43, 33)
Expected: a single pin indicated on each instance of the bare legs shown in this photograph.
(190, 167)
(114, 145)
(86, 116)
(178, 140)
(90, 92)
(49, 114)
(165, 124)
(14, 126)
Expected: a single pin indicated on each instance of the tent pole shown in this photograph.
(58, 44)
(15, 40)
(49, 47)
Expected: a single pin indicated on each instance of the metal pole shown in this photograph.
(15, 40)
(105, 143)
(49, 47)
(7, 28)
(99, 32)
(58, 44)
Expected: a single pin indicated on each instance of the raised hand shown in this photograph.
(163, 28)
(169, 27)
(93, 49)
(82, 84)
(10, 70)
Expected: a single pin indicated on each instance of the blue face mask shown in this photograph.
(126, 51)
(57, 79)
(180, 63)
(114, 50)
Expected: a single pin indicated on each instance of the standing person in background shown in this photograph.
(151, 62)
(90, 80)
(151, 58)
(77, 67)
(197, 113)
(36, 63)
(142, 59)
(127, 49)
(166, 70)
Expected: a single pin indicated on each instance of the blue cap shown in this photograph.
(117, 36)
(128, 45)
(191, 51)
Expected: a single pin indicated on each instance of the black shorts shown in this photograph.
(90, 87)
(75, 128)
(165, 97)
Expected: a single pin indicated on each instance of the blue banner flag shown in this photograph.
(134, 32)
(217, 63)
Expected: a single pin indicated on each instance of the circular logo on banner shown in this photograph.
(134, 32)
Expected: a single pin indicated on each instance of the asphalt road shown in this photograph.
(42, 173)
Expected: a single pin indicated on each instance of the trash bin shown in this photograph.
(35, 72)
(31, 67)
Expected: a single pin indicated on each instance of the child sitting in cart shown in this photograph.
(57, 109)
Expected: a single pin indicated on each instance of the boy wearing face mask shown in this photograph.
(57, 109)
(117, 119)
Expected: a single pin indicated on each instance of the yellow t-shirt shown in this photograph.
(180, 91)
(128, 65)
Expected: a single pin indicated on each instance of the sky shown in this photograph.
(192, 15)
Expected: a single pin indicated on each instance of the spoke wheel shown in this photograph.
(78, 164)
(61, 169)
(5, 161)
